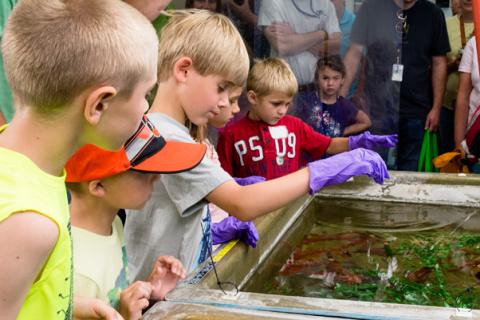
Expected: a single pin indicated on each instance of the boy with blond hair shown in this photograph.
(79, 75)
(269, 143)
(102, 182)
(203, 56)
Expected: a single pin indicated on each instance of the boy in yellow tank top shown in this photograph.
(79, 71)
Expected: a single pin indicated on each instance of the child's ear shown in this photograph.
(97, 103)
(181, 68)
(252, 97)
(95, 187)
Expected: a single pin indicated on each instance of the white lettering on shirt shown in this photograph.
(241, 149)
(258, 148)
(283, 147)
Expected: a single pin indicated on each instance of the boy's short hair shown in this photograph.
(333, 62)
(55, 49)
(209, 39)
(272, 74)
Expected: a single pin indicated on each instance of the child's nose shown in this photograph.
(283, 110)
(236, 108)
(224, 100)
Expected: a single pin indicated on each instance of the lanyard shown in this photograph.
(313, 14)
(401, 30)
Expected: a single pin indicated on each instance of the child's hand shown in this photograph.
(341, 167)
(231, 228)
(166, 272)
(89, 308)
(134, 299)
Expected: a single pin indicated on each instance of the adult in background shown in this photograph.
(244, 13)
(468, 97)
(405, 45)
(455, 7)
(300, 31)
(345, 20)
(460, 29)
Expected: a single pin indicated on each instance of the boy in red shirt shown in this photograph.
(269, 143)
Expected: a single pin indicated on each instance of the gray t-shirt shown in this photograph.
(171, 221)
(303, 16)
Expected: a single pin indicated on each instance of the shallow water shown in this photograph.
(399, 253)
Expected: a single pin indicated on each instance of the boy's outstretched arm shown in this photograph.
(26, 241)
(248, 202)
(338, 145)
(363, 140)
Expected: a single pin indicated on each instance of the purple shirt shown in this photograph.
(328, 119)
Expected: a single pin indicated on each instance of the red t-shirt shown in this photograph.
(254, 148)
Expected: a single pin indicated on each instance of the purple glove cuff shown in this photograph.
(249, 180)
(370, 141)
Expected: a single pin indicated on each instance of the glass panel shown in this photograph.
(388, 64)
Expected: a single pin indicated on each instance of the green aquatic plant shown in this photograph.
(437, 268)
(362, 291)
(430, 256)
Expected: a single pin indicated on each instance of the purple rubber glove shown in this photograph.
(231, 228)
(249, 180)
(341, 167)
(372, 141)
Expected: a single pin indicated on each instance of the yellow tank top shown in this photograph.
(25, 187)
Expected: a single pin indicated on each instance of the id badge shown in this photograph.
(397, 72)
